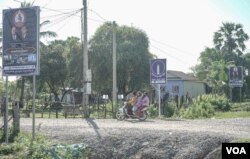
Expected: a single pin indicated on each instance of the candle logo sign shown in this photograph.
(158, 71)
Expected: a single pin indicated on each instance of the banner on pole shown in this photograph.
(21, 41)
(236, 76)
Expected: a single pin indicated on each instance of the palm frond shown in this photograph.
(48, 34)
(44, 23)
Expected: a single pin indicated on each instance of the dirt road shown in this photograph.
(150, 139)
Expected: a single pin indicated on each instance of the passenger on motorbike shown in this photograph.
(145, 101)
(131, 102)
(138, 101)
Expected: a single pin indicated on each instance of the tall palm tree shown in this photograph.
(43, 33)
(230, 40)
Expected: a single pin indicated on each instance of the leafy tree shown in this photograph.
(1, 35)
(53, 67)
(207, 57)
(75, 62)
(246, 64)
(218, 76)
(229, 40)
(132, 58)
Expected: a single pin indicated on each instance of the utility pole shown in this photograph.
(114, 97)
(85, 58)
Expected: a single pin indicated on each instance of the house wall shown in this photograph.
(194, 88)
(171, 87)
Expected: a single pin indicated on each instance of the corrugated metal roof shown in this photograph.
(171, 75)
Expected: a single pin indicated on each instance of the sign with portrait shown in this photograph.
(236, 76)
(21, 41)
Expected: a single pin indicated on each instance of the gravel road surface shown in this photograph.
(156, 139)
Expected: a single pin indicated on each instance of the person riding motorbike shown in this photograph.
(123, 112)
(144, 102)
(138, 101)
(131, 102)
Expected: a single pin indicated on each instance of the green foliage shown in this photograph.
(153, 111)
(204, 106)
(170, 109)
(220, 103)
(230, 38)
(53, 67)
(227, 115)
(69, 151)
(23, 147)
(240, 106)
(12, 135)
(199, 109)
(229, 46)
(132, 58)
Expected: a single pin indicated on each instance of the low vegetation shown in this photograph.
(204, 106)
(21, 146)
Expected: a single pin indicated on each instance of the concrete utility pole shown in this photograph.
(114, 97)
(85, 59)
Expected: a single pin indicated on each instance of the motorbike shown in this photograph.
(123, 113)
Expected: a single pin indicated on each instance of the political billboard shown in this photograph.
(158, 71)
(21, 41)
(236, 76)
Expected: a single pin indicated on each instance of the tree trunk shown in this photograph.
(22, 92)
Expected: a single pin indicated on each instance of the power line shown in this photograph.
(62, 18)
(48, 2)
(64, 24)
(56, 15)
(96, 13)
(62, 12)
(178, 59)
(172, 47)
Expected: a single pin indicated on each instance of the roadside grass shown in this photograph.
(242, 140)
(227, 115)
(22, 147)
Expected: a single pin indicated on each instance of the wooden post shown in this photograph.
(16, 117)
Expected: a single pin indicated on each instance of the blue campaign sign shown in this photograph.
(158, 71)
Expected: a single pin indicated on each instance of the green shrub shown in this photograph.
(220, 103)
(23, 147)
(153, 111)
(170, 109)
(201, 108)
(240, 106)
(204, 106)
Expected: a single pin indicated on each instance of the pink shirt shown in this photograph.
(145, 101)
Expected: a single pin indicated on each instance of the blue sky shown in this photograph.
(178, 30)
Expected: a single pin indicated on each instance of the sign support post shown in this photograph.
(158, 75)
(33, 107)
(159, 99)
(6, 113)
(21, 49)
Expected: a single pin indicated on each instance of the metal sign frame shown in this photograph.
(236, 76)
(21, 55)
(158, 71)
